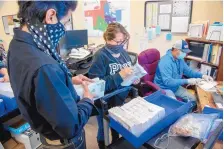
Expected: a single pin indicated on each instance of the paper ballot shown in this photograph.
(6, 90)
(139, 72)
(137, 115)
(96, 88)
(208, 86)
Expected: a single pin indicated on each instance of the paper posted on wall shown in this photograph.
(96, 88)
(137, 115)
(139, 72)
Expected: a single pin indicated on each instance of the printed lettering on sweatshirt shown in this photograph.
(115, 67)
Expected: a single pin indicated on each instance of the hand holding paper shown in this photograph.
(86, 91)
(77, 80)
(138, 72)
(95, 89)
(124, 73)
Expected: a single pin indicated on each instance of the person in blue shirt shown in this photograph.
(112, 64)
(41, 82)
(170, 71)
(4, 77)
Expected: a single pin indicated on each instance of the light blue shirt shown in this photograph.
(170, 71)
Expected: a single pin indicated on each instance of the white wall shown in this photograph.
(202, 10)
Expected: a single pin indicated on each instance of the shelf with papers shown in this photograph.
(202, 62)
(219, 65)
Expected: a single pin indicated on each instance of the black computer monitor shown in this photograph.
(76, 39)
(197, 49)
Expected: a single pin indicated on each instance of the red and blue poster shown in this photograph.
(99, 13)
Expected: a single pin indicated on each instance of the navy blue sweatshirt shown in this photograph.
(44, 92)
(107, 67)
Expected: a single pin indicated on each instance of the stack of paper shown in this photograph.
(137, 115)
(6, 90)
(96, 88)
(208, 85)
(79, 53)
(139, 72)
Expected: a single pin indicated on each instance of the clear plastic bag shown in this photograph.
(213, 128)
(194, 125)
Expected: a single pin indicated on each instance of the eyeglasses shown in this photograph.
(121, 42)
(65, 23)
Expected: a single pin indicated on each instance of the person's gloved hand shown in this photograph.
(192, 81)
(207, 78)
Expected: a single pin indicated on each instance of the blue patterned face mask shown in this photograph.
(55, 32)
(47, 37)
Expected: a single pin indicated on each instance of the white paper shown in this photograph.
(137, 115)
(196, 30)
(179, 24)
(139, 72)
(151, 14)
(165, 8)
(208, 86)
(215, 33)
(6, 90)
(79, 53)
(164, 21)
(181, 8)
(205, 69)
(97, 88)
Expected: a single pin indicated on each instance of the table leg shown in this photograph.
(106, 132)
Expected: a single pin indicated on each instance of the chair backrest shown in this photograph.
(133, 56)
(149, 59)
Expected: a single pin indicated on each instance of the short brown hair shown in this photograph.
(113, 29)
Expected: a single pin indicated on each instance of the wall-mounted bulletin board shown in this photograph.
(174, 16)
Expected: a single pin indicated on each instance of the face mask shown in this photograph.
(181, 55)
(55, 32)
(47, 37)
(115, 49)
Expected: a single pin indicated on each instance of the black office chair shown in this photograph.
(133, 56)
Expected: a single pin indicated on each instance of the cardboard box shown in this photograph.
(12, 144)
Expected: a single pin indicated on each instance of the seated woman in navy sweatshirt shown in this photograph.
(112, 64)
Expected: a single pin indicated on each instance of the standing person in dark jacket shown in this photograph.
(112, 64)
(3, 70)
(40, 80)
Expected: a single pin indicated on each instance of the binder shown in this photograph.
(209, 53)
(214, 53)
(205, 52)
(219, 55)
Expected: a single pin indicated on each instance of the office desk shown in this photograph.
(205, 98)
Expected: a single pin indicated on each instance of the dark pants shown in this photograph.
(78, 142)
